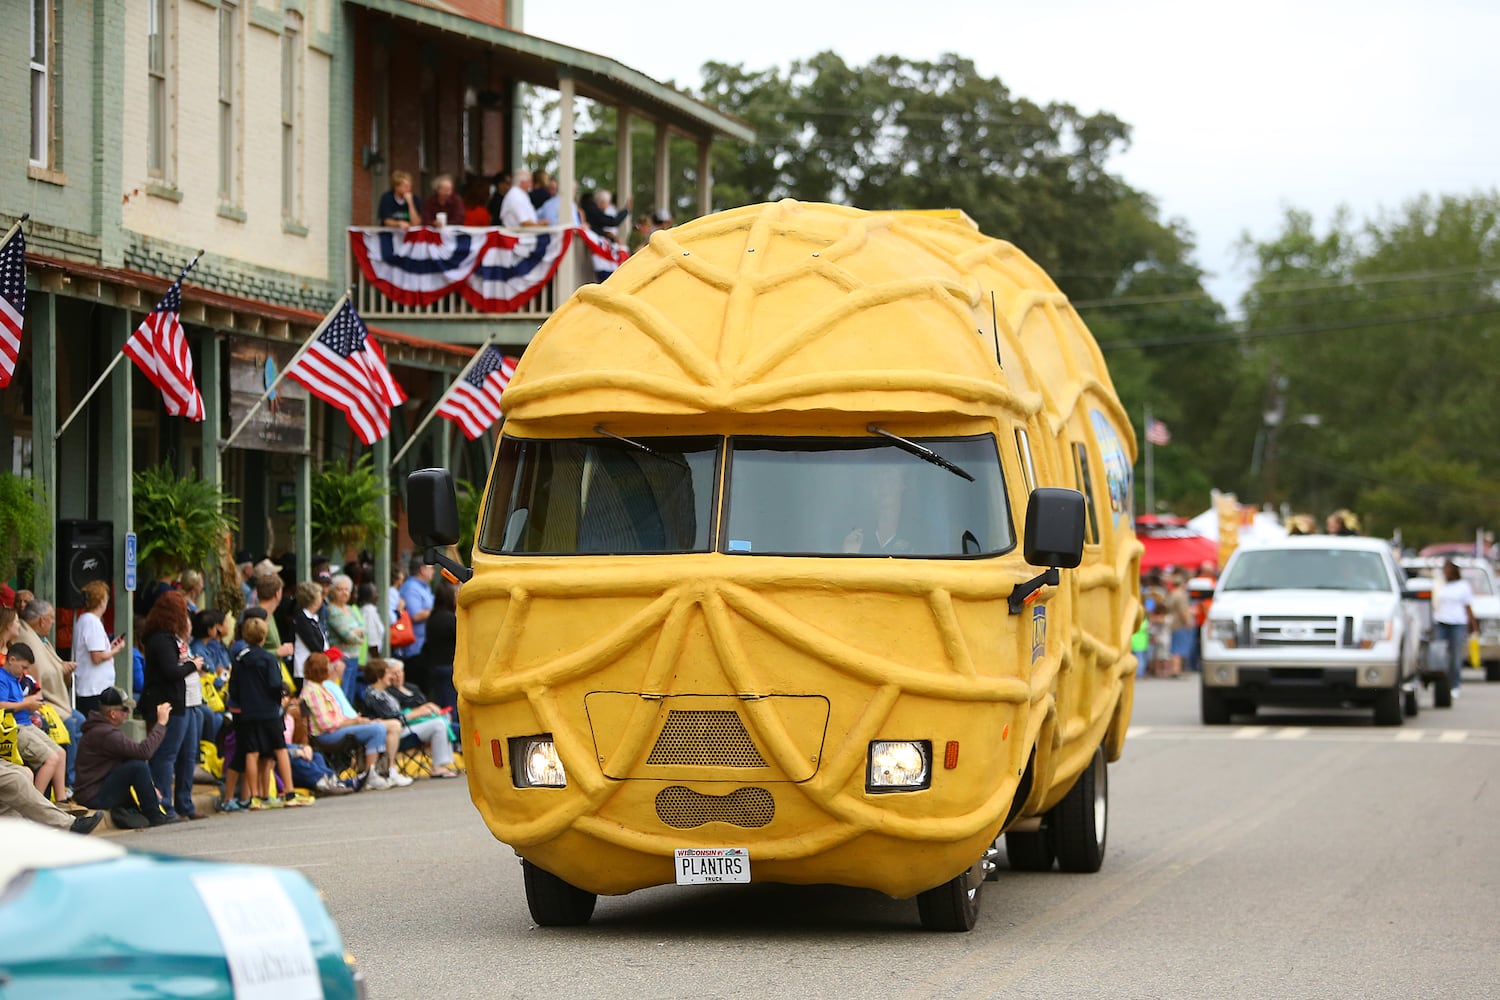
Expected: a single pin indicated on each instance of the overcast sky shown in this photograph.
(1238, 110)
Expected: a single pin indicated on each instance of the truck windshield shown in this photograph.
(864, 497)
(1306, 569)
(601, 495)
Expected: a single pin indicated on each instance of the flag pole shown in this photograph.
(433, 412)
(117, 359)
(288, 367)
(16, 227)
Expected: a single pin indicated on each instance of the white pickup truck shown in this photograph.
(1317, 620)
(1481, 577)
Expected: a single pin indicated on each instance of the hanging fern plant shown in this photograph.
(25, 529)
(347, 507)
(179, 522)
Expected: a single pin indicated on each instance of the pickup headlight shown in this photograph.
(899, 765)
(1223, 631)
(1489, 629)
(1374, 630)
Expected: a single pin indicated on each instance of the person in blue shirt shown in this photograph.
(23, 697)
(417, 592)
(208, 642)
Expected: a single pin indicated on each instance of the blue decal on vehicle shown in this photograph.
(1038, 632)
(1117, 471)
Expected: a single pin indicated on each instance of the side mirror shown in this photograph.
(432, 518)
(1055, 520)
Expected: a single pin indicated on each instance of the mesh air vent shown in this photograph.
(704, 739)
(684, 808)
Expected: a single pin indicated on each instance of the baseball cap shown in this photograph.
(266, 568)
(113, 697)
(253, 611)
(322, 576)
(661, 218)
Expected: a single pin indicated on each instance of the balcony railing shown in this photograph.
(373, 303)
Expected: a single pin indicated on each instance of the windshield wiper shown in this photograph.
(926, 454)
(642, 447)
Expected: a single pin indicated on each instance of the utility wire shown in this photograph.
(1231, 336)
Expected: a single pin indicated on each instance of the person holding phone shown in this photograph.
(168, 669)
(93, 649)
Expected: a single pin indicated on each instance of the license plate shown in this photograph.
(712, 865)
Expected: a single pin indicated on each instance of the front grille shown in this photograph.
(684, 808)
(704, 739)
(1300, 630)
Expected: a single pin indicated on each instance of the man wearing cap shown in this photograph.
(246, 567)
(111, 765)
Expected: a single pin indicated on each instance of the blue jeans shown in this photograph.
(1457, 638)
(209, 722)
(172, 764)
(74, 725)
(306, 773)
(116, 788)
(371, 734)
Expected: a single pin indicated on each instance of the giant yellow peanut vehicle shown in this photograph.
(807, 557)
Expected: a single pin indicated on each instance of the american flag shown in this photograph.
(474, 401)
(159, 349)
(1157, 433)
(346, 369)
(12, 303)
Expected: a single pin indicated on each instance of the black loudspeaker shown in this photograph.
(85, 552)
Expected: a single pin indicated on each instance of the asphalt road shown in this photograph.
(1306, 855)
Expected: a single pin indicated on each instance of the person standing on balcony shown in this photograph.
(502, 182)
(543, 186)
(444, 207)
(516, 209)
(399, 208)
(599, 211)
(476, 190)
(551, 211)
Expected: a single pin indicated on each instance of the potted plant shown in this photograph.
(25, 528)
(347, 511)
(179, 522)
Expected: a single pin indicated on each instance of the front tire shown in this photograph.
(1492, 670)
(553, 902)
(1215, 707)
(1409, 702)
(1442, 693)
(954, 905)
(1080, 822)
(1388, 707)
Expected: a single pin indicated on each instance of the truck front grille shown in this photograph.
(704, 739)
(684, 808)
(1325, 631)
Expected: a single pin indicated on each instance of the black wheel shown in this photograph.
(553, 902)
(1029, 850)
(1215, 707)
(954, 905)
(1388, 708)
(1442, 693)
(1079, 824)
(1409, 702)
(1492, 670)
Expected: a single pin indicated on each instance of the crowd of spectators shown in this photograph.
(259, 700)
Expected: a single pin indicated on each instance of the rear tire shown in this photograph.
(954, 905)
(1080, 822)
(1492, 670)
(1388, 707)
(553, 902)
(1215, 707)
(1442, 693)
(1410, 703)
(1029, 850)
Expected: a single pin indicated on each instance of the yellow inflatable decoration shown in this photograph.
(749, 596)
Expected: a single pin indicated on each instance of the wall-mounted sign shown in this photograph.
(277, 425)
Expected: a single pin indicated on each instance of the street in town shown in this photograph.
(1302, 855)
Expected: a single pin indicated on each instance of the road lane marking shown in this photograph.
(1249, 732)
(1291, 733)
(1318, 734)
(1138, 731)
(1453, 736)
(1409, 736)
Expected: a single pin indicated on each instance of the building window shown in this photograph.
(229, 54)
(427, 142)
(156, 96)
(291, 101)
(473, 132)
(41, 83)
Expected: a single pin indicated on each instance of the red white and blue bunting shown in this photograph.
(494, 270)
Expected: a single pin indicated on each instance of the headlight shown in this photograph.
(535, 763)
(1374, 630)
(899, 765)
(1489, 628)
(1222, 630)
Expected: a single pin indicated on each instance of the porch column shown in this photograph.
(302, 521)
(566, 282)
(212, 430)
(663, 169)
(121, 498)
(624, 178)
(382, 450)
(705, 177)
(43, 317)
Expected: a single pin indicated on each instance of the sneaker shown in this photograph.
(296, 800)
(127, 818)
(85, 824)
(377, 781)
(329, 785)
(1457, 692)
(273, 802)
(396, 778)
(257, 804)
(230, 806)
